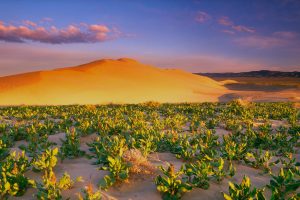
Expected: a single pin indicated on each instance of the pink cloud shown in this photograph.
(202, 17)
(228, 32)
(225, 21)
(286, 34)
(29, 23)
(53, 35)
(276, 39)
(240, 28)
(261, 42)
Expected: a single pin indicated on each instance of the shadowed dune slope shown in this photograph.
(108, 81)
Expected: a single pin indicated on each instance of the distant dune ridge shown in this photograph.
(107, 81)
(261, 73)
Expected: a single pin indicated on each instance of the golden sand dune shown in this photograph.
(107, 81)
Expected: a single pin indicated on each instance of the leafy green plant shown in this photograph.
(118, 172)
(184, 149)
(290, 163)
(6, 188)
(146, 145)
(198, 174)
(211, 124)
(170, 185)
(86, 127)
(219, 171)
(12, 179)
(70, 147)
(207, 145)
(89, 194)
(46, 161)
(3, 150)
(259, 159)
(283, 184)
(36, 143)
(107, 146)
(243, 191)
(233, 150)
(50, 188)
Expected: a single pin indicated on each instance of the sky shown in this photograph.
(193, 35)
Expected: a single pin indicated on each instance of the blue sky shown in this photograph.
(195, 35)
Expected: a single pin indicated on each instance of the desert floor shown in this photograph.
(261, 89)
(142, 186)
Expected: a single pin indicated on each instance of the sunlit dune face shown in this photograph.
(106, 81)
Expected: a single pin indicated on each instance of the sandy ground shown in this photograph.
(143, 187)
(128, 81)
(261, 89)
(108, 81)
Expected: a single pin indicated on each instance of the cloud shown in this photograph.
(202, 17)
(30, 31)
(240, 28)
(228, 32)
(260, 42)
(276, 39)
(285, 34)
(29, 23)
(225, 21)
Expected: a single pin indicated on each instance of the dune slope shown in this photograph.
(107, 81)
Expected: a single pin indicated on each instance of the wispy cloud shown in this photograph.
(261, 42)
(225, 21)
(31, 31)
(285, 34)
(276, 39)
(228, 32)
(202, 17)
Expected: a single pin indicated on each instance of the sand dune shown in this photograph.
(108, 81)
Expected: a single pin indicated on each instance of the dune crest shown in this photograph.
(107, 81)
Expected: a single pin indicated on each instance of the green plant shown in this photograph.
(233, 150)
(50, 188)
(243, 191)
(37, 143)
(198, 174)
(259, 159)
(290, 163)
(6, 188)
(170, 185)
(89, 194)
(70, 147)
(219, 171)
(12, 179)
(107, 146)
(207, 143)
(3, 150)
(46, 161)
(283, 184)
(146, 145)
(118, 172)
(184, 149)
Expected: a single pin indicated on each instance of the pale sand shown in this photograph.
(143, 187)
